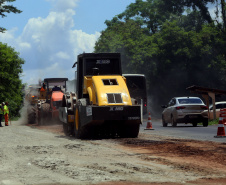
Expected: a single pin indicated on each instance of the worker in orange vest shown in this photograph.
(43, 87)
(6, 114)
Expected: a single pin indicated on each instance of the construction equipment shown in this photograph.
(53, 90)
(101, 105)
(32, 97)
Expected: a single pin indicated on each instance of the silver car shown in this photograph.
(184, 110)
(219, 105)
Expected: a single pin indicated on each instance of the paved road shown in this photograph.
(186, 131)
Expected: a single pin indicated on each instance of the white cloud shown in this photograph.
(50, 45)
(62, 5)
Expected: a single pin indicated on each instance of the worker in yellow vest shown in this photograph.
(6, 114)
(1, 114)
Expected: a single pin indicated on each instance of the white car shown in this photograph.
(184, 110)
(219, 105)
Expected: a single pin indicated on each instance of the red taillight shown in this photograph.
(180, 107)
(204, 107)
(145, 104)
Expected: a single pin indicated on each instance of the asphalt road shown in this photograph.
(185, 131)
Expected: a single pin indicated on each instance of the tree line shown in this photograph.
(176, 44)
(11, 87)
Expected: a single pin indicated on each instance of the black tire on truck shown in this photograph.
(81, 132)
(44, 113)
(67, 129)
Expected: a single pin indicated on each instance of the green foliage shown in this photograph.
(174, 43)
(6, 8)
(214, 122)
(10, 83)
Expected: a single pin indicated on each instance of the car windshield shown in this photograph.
(189, 100)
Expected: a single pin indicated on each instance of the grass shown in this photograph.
(214, 122)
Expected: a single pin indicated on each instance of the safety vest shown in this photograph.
(1, 111)
(6, 110)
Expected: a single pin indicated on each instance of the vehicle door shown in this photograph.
(169, 109)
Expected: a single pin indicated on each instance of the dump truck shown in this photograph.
(53, 90)
(101, 105)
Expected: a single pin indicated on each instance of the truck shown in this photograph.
(101, 106)
(51, 95)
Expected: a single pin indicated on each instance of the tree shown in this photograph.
(127, 38)
(175, 43)
(6, 8)
(11, 85)
(153, 13)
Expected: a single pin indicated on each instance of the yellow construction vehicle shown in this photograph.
(101, 105)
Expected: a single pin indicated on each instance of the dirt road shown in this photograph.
(43, 155)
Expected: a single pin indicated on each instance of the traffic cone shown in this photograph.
(149, 123)
(223, 113)
(220, 131)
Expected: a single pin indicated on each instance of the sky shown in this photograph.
(49, 34)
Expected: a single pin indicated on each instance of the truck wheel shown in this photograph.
(80, 132)
(67, 129)
(44, 115)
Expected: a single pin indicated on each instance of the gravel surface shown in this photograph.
(33, 154)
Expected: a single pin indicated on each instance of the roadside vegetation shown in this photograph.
(176, 44)
(214, 122)
(11, 86)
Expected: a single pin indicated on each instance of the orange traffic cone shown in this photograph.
(149, 123)
(220, 131)
(223, 113)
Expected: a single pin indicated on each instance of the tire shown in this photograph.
(81, 132)
(67, 129)
(205, 123)
(173, 122)
(44, 114)
(164, 124)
